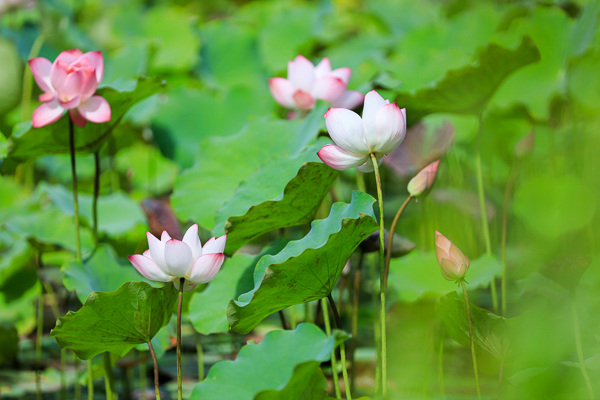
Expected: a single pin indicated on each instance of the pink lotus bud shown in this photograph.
(453, 262)
(525, 146)
(69, 84)
(305, 84)
(422, 183)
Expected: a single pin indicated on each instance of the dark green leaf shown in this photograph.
(306, 269)
(10, 76)
(116, 321)
(9, 343)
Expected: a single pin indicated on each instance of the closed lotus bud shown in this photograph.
(453, 262)
(525, 145)
(422, 183)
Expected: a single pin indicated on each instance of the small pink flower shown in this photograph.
(168, 260)
(69, 84)
(380, 130)
(453, 262)
(422, 183)
(306, 84)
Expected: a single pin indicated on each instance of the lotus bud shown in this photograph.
(421, 184)
(525, 146)
(453, 262)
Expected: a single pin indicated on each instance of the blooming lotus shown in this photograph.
(453, 262)
(168, 260)
(306, 84)
(422, 183)
(380, 130)
(69, 83)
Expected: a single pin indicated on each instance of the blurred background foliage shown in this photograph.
(216, 123)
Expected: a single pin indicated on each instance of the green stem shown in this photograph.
(96, 194)
(77, 385)
(507, 193)
(579, 347)
(74, 174)
(63, 375)
(38, 344)
(381, 280)
(338, 325)
(441, 367)
(108, 376)
(388, 255)
(200, 353)
(308, 315)
(500, 378)
(90, 382)
(354, 329)
(293, 317)
(360, 182)
(179, 391)
(336, 379)
(462, 282)
(376, 324)
(484, 221)
(156, 389)
(27, 79)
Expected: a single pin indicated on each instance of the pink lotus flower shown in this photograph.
(69, 84)
(168, 260)
(381, 130)
(422, 183)
(306, 84)
(453, 262)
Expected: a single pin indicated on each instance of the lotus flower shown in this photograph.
(422, 183)
(306, 84)
(453, 262)
(69, 84)
(168, 260)
(381, 130)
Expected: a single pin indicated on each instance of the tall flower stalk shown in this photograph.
(336, 379)
(338, 325)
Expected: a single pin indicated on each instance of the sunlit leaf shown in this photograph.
(10, 76)
(116, 321)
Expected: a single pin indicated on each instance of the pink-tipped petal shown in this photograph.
(215, 245)
(323, 68)
(71, 88)
(301, 73)
(368, 166)
(40, 69)
(165, 237)
(206, 268)
(47, 113)
(147, 254)
(148, 268)
(77, 118)
(329, 88)
(373, 102)
(58, 74)
(69, 56)
(88, 88)
(95, 109)
(157, 250)
(97, 61)
(282, 91)
(346, 130)
(343, 73)
(46, 97)
(390, 126)
(70, 104)
(178, 256)
(339, 158)
(304, 100)
(191, 239)
(350, 99)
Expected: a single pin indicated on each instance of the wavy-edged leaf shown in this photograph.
(116, 321)
(251, 216)
(468, 89)
(27, 142)
(284, 361)
(223, 162)
(306, 269)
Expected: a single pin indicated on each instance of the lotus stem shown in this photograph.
(63, 375)
(336, 379)
(284, 324)
(108, 376)
(388, 255)
(381, 280)
(77, 385)
(38, 344)
(462, 282)
(74, 174)
(441, 367)
(90, 382)
(354, 328)
(338, 325)
(142, 377)
(507, 193)
(156, 389)
(484, 221)
(96, 194)
(179, 391)
(500, 379)
(360, 182)
(200, 353)
(579, 347)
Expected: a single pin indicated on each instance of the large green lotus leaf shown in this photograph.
(247, 215)
(10, 76)
(584, 82)
(9, 343)
(418, 275)
(116, 321)
(282, 359)
(101, 273)
(117, 213)
(14, 199)
(223, 162)
(468, 89)
(16, 256)
(306, 269)
(27, 142)
(50, 227)
(490, 331)
(20, 311)
(552, 206)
